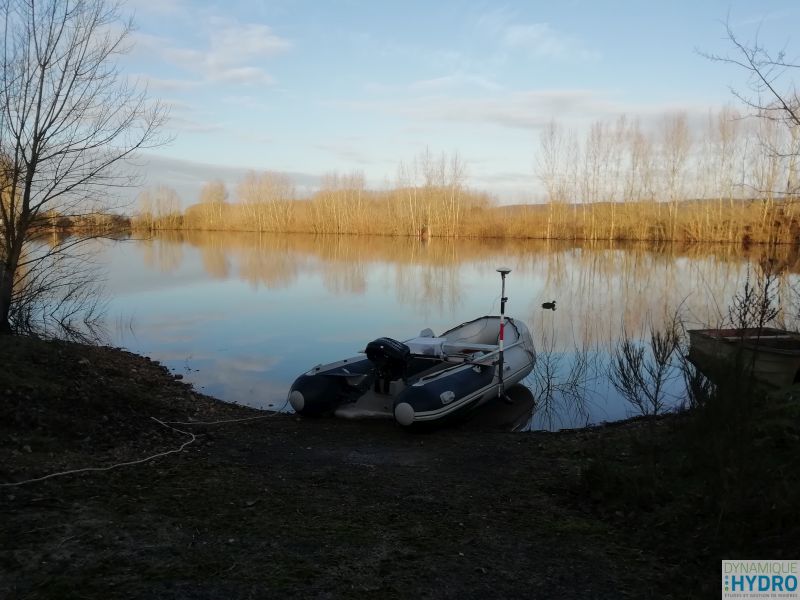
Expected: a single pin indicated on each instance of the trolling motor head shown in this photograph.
(503, 272)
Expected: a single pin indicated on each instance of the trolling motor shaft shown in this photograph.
(501, 392)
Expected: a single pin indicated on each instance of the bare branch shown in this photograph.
(68, 120)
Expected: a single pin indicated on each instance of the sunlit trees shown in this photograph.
(338, 206)
(551, 166)
(68, 118)
(408, 198)
(159, 208)
(267, 200)
(710, 182)
(676, 143)
(212, 200)
(430, 190)
(640, 179)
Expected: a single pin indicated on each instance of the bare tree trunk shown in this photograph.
(6, 279)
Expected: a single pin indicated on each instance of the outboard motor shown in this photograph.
(390, 358)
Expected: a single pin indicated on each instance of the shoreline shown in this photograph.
(317, 508)
(151, 233)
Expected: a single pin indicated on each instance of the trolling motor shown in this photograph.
(501, 392)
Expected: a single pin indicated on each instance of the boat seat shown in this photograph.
(440, 348)
(426, 346)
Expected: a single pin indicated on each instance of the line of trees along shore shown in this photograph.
(735, 179)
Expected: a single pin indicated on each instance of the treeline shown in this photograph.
(430, 198)
(733, 179)
(99, 223)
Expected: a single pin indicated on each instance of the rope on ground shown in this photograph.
(219, 422)
(271, 414)
(168, 425)
(115, 466)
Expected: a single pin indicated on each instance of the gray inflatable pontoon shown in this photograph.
(425, 379)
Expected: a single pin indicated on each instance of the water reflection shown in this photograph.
(161, 255)
(505, 416)
(251, 311)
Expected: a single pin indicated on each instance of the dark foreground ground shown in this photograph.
(283, 507)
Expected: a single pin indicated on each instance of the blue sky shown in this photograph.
(310, 87)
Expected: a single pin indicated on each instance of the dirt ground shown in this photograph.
(288, 507)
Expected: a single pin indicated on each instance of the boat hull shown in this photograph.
(770, 356)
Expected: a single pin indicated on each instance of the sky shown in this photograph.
(312, 87)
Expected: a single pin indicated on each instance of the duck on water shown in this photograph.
(425, 379)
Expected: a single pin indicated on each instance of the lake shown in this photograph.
(241, 315)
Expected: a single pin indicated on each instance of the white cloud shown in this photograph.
(157, 84)
(188, 125)
(347, 152)
(187, 177)
(184, 117)
(541, 40)
(246, 102)
(252, 136)
(161, 8)
(530, 109)
(241, 75)
(460, 80)
(456, 80)
(493, 22)
(175, 106)
(233, 43)
(229, 53)
(526, 110)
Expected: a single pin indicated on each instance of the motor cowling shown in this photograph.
(389, 356)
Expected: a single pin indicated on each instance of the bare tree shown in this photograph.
(267, 200)
(68, 119)
(771, 94)
(758, 303)
(676, 146)
(159, 208)
(212, 198)
(641, 371)
(549, 169)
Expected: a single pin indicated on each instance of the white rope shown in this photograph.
(115, 466)
(269, 416)
(168, 425)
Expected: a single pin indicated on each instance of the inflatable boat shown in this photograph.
(426, 379)
(421, 380)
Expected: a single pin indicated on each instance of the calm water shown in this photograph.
(241, 315)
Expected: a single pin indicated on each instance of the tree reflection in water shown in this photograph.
(396, 286)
